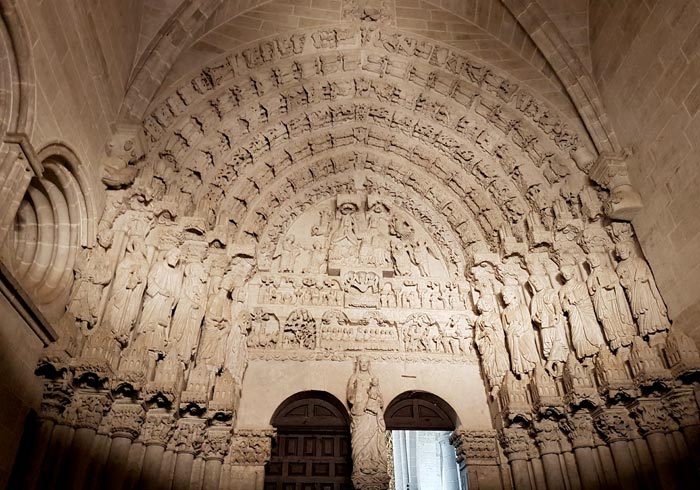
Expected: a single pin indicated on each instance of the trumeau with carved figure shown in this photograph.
(357, 194)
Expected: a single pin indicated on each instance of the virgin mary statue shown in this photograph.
(367, 429)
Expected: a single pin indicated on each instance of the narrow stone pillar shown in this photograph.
(548, 436)
(569, 464)
(186, 442)
(61, 438)
(579, 428)
(516, 442)
(618, 431)
(249, 452)
(88, 411)
(477, 450)
(215, 448)
(607, 466)
(654, 421)
(125, 421)
(155, 433)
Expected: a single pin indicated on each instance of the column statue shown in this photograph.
(586, 336)
(367, 429)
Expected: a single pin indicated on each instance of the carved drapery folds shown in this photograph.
(303, 200)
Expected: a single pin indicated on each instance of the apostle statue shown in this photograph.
(217, 320)
(162, 294)
(288, 256)
(189, 313)
(648, 307)
(126, 292)
(367, 429)
(545, 310)
(519, 333)
(586, 336)
(610, 303)
(490, 341)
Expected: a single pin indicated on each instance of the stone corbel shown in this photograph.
(610, 171)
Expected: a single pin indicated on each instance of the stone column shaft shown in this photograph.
(150, 469)
(80, 458)
(624, 464)
(587, 468)
(115, 471)
(212, 474)
(183, 471)
(663, 460)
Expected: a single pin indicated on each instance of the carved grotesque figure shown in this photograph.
(519, 332)
(126, 292)
(546, 311)
(490, 341)
(648, 307)
(610, 303)
(586, 336)
(367, 429)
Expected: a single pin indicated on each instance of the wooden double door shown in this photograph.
(312, 449)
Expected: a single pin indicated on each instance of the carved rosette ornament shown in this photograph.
(610, 171)
(125, 420)
(614, 424)
(157, 428)
(475, 446)
(251, 447)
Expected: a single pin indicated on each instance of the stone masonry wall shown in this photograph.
(646, 61)
(82, 53)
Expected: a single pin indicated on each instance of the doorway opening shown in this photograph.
(312, 448)
(420, 425)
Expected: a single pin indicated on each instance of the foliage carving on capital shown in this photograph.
(125, 420)
(579, 428)
(473, 445)
(251, 447)
(548, 436)
(683, 406)
(217, 440)
(516, 442)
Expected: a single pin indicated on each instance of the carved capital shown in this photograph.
(652, 416)
(157, 429)
(516, 442)
(614, 424)
(86, 411)
(548, 435)
(216, 444)
(683, 406)
(125, 420)
(579, 428)
(610, 171)
(251, 447)
(475, 446)
(57, 396)
(188, 436)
